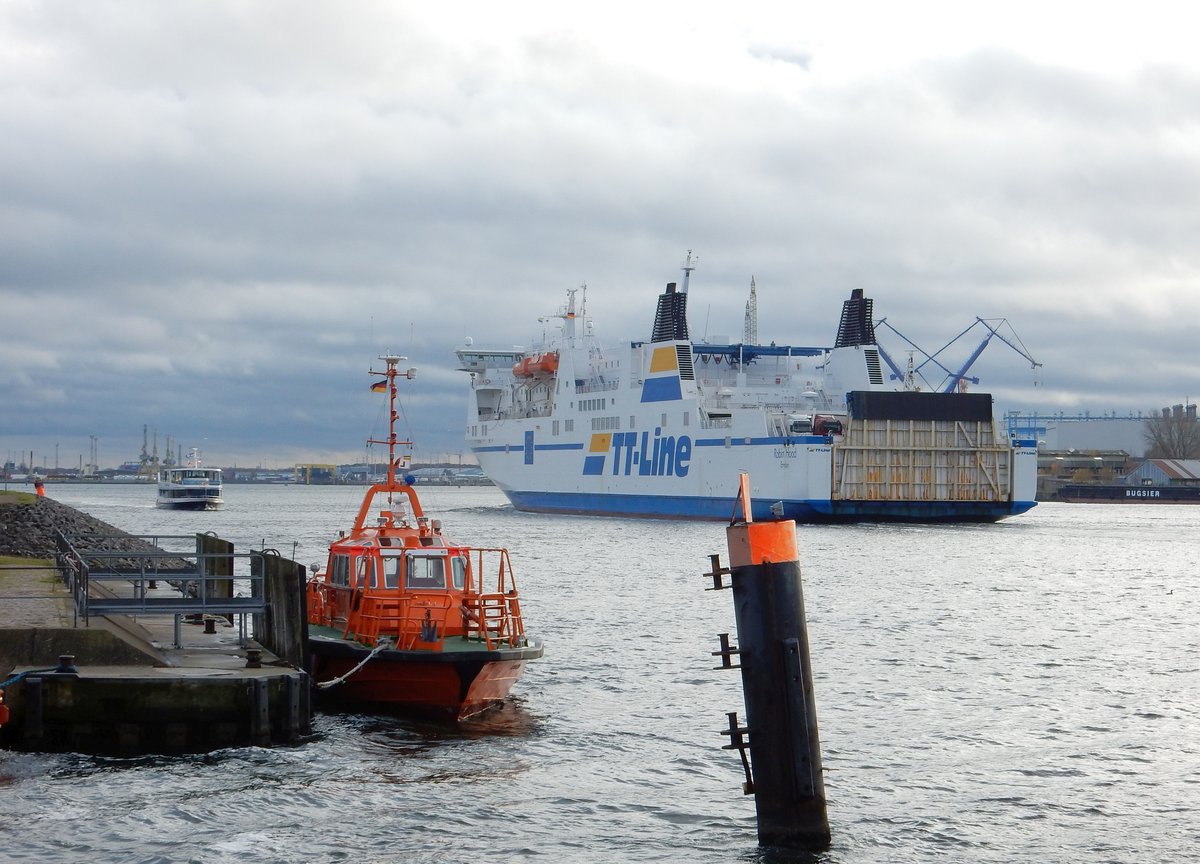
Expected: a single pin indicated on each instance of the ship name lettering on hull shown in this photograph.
(651, 456)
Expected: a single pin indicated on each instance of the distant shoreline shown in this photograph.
(17, 485)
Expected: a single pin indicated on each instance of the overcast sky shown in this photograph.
(214, 216)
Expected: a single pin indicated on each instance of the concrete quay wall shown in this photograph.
(133, 685)
(122, 710)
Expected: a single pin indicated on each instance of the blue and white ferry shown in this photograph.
(663, 428)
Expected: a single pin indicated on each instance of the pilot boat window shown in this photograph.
(459, 566)
(366, 570)
(426, 572)
(391, 571)
(340, 574)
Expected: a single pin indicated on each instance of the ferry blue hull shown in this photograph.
(725, 509)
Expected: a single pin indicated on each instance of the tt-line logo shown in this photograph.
(637, 453)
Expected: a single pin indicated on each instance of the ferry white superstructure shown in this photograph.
(664, 427)
(190, 487)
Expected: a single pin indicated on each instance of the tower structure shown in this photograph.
(750, 330)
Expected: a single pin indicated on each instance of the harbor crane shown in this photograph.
(750, 330)
(953, 380)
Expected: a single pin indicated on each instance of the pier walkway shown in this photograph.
(146, 653)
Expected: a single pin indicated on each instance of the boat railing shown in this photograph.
(489, 610)
(495, 619)
(496, 606)
(599, 386)
(524, 410)
(415, 620)
(424, 620)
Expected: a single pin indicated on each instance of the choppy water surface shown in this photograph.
(1026, 690)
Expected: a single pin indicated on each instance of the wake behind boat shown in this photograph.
(662, 428)
(190, 487)
(405, 618)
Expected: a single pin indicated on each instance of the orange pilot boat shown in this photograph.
(405, 618)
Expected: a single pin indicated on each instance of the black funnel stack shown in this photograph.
(670, 319)
(856, 327)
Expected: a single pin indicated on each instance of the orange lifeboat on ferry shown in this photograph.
(536, 365)
(545, 364)
(523, 368)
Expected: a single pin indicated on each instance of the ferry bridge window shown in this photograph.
(459, 566)
(425, 572)
(391, 571)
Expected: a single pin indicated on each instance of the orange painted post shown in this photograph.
(785, 773)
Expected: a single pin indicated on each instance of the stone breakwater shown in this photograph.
(27, 525)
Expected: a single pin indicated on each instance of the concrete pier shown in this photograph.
(135, 684)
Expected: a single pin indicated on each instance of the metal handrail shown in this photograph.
(185, 572)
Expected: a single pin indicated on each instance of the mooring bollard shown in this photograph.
(784, 769)
(66, 665)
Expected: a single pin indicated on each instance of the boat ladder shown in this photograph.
(495, 618)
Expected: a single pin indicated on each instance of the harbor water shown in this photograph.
(985, 693)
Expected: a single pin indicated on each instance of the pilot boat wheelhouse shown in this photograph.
(404, 617)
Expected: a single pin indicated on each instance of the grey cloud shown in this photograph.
(213, 217)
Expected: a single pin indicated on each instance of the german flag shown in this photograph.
(379, 386)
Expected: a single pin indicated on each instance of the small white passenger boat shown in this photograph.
(191, 486)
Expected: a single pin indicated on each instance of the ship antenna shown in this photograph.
(392, 373)
(687, 268)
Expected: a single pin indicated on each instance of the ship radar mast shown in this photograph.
(394, 463)
(687, 268)
(570, 313)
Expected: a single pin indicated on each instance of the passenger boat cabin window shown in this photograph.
(426, 572)
(458, 565)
